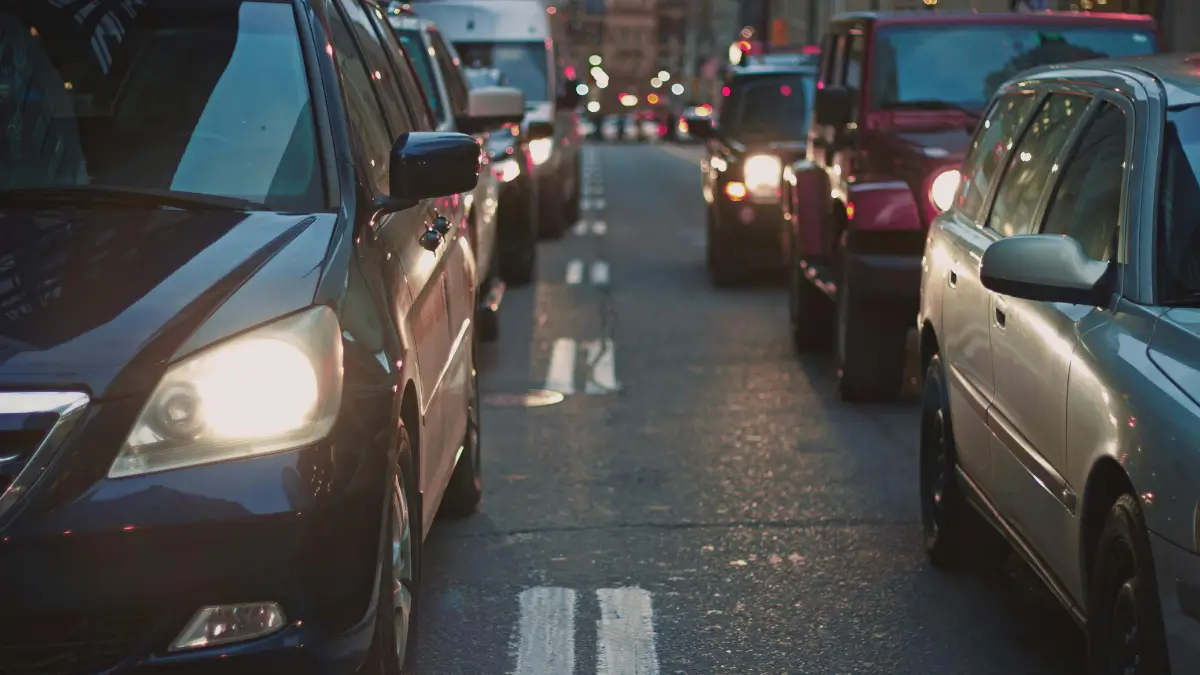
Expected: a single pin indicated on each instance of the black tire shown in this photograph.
(552, 213)
(954, 535)
(870, 340)
(383, 658)
(487, 325)
(810, 312)
(518, 266)
(465, 490)
(722, 269)
(1125, 625)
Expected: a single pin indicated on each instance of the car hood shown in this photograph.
(949, 143)
(103, 299)
(1175, 349)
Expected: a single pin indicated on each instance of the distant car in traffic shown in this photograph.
(890, 126)
(611, 127)
(1060, 337)
(683, 133)
(239, 375)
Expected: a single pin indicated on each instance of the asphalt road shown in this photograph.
(700, 501)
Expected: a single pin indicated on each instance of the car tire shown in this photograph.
(722, 269)
(403, 515)
(487, 324)
(870, 341)
(518, 266)
(953, 534)
(1125, 625)
(552, 217)
(810, 312)
(465, 489)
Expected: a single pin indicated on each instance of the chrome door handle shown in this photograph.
(953, 279)
(1000, 317)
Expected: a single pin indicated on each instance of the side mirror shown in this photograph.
(428, 164)
(490, 108)
(701, 127)
(539, 130)
(1045, 268)
(833, 106)
(570, 97)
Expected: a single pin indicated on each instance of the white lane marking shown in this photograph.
(599, 272)
(625, 633)
(602, 358)
(585, 204)
(592, 204)
(574, 272)
(547, 632)
(599, 227)
(580, 228)
(561, 376)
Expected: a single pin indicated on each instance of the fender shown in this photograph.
(809, 207)
(881, 203)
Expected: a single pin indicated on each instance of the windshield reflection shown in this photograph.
(1179, 206)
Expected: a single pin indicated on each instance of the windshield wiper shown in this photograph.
(124, 196)
(932, 105)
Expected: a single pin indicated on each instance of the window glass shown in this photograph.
(993, 140)
(75, 111)
(1087, 202)
(769, 107)
(838, 70)
(384, 83)
(451, 66)
(523, 64)
(1179, 208)
(423, 62)
(420, 116)
(362, 106)
(1032, 164)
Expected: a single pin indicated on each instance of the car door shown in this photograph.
(1031, 168)
(408, 267)
(1033, 343)
(966, 320)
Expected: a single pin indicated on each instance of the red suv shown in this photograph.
(897, 103)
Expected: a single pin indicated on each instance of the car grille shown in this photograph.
(68, 644)
(32, 427)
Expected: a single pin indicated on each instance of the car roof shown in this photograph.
(1178, 74)
(1033, 18)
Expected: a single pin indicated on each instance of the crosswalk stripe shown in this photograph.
(574, 272)
(580, 228)
(625, 633)
(561, 375)
(602, 358)
(599, 227)
(599, 272)
(546, 644)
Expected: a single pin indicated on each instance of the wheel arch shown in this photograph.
(927, 346)
(1106, 482)
(410, 416)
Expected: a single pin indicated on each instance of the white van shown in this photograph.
(515, 37)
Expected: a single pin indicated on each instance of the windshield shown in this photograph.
(1179, 204)
(963, 65)
(769, 108)
(418, 53)
(484, 77)
(522, 64)
(213, 101)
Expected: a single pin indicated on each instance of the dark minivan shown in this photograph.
(237, 373)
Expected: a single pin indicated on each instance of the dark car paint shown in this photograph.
(304, 526)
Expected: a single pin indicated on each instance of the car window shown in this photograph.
(383, 78)
(450, 65)
(1032, 164)
(362, 105)
(1087, 202)
(410, 87)
(769, 107)
(1179, 205)
(523, 64)
(994, 138)
(239, 125)
(855, 55)
(418, 53)
(838, 70)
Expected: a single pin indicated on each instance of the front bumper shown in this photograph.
(1178, 573)
(100, 575)
(885, 277)
(753, 229)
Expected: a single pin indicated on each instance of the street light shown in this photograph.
(656, 83)
(595, 59)
(664, 75)
(594, 106)
(677, 89)
(581, 89)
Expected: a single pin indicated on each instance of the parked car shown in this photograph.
(611, 127)
(648, 126)
(515, 36)
(689, 116)
(764, 126)
(631, 127)
(1060, 336)
(476, 110)
(239, 373)
(883, 155)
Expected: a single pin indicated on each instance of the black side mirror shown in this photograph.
(701, 127)
(428, 164)
(833, 106)
(570, 97)
(538, 130)
(1045, 268)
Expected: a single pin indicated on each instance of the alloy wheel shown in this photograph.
(402, 569)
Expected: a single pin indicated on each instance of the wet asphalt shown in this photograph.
(754, 523)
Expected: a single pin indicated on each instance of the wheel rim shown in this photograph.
(935, 468)
(1124, 633)
(402, 596)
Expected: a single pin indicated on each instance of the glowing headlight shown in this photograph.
(539, 149)
(761, 174)
(941, 191)
(275, 388)
(507, 170)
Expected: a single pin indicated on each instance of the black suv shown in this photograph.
(763, 127)
(237, 364)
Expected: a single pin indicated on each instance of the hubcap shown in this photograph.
(401, 569)
(1126, 654)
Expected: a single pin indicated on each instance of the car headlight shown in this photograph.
(539, 149)
(275, 388)
(507, 170)
(941, 191)
(761, 174)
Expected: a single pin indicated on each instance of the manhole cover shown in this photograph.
(534, 398)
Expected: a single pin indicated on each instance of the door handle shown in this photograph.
(953, 279)
(430, 240)
(1000, 317)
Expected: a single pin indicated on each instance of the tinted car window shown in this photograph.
(410, 86)
(419, 54)
(963, 65)
(383, 77)
(1179, 206)
(363, 107)
(449, 63)
(1032, 164)
(523, 64)
(768, 107)
(239, 125)
(856, 53)
(993, 140)
(1087, 202)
